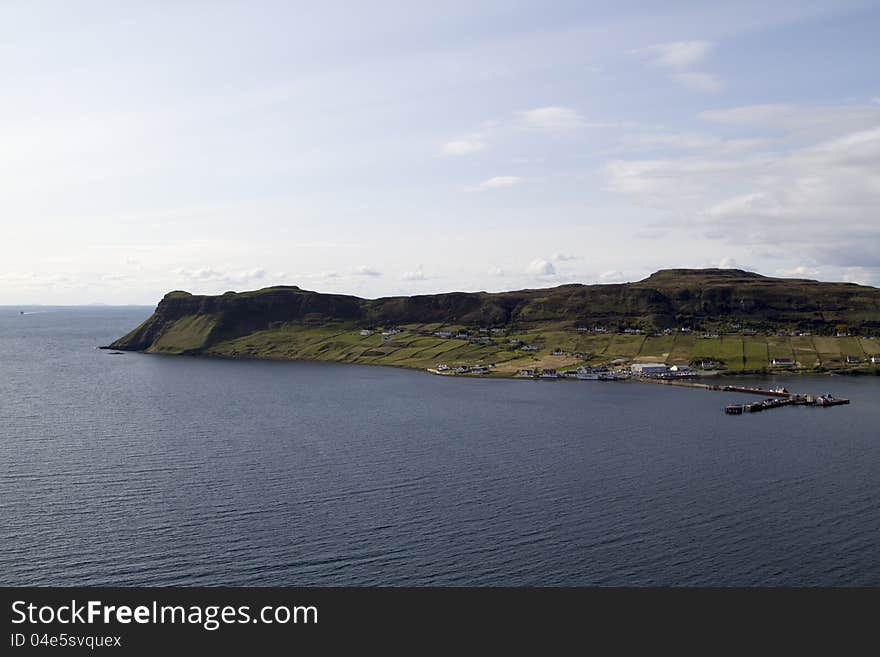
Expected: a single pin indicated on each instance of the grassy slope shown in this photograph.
(413, 349)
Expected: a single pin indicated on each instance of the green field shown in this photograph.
(416, 347)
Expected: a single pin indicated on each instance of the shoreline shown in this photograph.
(429, 370)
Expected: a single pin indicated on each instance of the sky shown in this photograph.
(382, 148)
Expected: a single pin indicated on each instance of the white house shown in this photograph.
(782, 362)
(875, 360)
(648, 369)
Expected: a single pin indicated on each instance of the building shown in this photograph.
(556, 352)
(549, 374)
(875, 360)
(529, 347)
(782, 362)
(648, 369)
(679, 368)
(853, 360)
(526, 373)
(366, 333)
(443, 334)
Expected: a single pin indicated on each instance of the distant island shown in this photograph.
(709, 320)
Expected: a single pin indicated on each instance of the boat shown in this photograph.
(733, 409)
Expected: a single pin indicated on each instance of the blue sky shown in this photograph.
(405, 148)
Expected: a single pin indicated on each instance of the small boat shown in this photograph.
(734, 409)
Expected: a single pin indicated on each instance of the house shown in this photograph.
(366, 333)
(462, 369)
(708, 365)
(479, 369)
(529, 347)
(782, 362)
(462, 335)
(582, 329)
(679, 368)
(586, 373)
(515, 341)
(443, 334)
(842, 334)
(387, 338)
(549, 374)
(442, 367)
(852, 360)
(570, 374)
(526, 373)
(875, 360)
(648, 369)
(556, 352)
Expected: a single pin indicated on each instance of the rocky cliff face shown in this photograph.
(184, 322)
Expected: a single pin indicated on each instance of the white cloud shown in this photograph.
(417, 275)
(676, 55)
(817, 201)
(706, 82)
(808, 121)
(464, 146)
(612, 276)
(366, 271)
(563, 257)
(499, 182)
(553, 119)
(495, 271)
(541, 267)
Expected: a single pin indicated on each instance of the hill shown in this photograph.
(289, 322)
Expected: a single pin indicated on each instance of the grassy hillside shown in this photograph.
(750, 320)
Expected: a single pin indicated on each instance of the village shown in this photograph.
(599, 353)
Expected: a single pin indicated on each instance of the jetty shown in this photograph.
(776, 397)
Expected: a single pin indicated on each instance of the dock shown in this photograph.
(776, 398)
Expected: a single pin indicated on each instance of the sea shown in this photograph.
(135, 469)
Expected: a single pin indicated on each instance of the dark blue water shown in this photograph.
(153, 470)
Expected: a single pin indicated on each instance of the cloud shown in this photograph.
(495, 271)
(417, 275)
(465, 146)
(612, 276)
(500, 182)
(706, 82)
(807, 121)
(676, 55)
(815, 201)
(563, 257)
(541, 267)
(365, 271)
(552, 119)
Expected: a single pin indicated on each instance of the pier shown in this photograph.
(776, 398)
